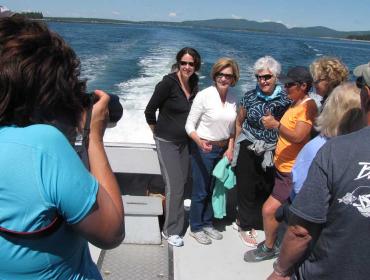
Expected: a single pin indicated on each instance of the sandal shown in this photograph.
(252, 232)
(249, 238)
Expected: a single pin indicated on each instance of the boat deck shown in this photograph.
(223, 259)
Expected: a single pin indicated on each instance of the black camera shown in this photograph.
(115, 114)
(114, 106)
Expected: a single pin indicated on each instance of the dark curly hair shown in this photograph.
(39, 76)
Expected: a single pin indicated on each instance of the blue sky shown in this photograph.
(337, 14)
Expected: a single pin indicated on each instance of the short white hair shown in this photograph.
(267, 63)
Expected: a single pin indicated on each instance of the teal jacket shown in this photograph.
(225, 179)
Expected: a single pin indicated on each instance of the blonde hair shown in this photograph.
(223, 63)
(343, 98)
(330, 69)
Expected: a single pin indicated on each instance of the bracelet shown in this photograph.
(278, 271)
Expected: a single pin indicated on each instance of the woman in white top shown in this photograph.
(211, 126)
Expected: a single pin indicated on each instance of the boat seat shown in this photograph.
(141, 219)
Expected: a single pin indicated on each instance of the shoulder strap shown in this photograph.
(45, 231)
(307, 99)
(82, 150)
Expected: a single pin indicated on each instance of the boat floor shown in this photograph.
(223, 259)
(137, 262)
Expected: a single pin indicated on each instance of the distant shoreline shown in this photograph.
(234, 25)
(347, 39)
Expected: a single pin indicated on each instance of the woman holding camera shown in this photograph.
(173, 97)
(211, 125)
(50, 204)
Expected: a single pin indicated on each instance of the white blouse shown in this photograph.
(210, 118)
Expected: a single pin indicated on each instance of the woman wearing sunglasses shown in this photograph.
(294, 132)
(211, 125)
(255, 145)
(327, 73)
(173, 97)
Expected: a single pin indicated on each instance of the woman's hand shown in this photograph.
(275, 276)
(269, 121)
(204, 145)
(229, 154)
(99, 116)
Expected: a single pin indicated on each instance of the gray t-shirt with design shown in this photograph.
(336, 194)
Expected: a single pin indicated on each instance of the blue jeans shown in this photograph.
(202, 164)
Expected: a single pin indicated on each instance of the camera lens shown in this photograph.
(115, 109)
(114, 106)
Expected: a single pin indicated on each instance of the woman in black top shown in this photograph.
(173, 97)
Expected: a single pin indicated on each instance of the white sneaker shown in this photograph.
(187, 204)
(175, 240)
(213, 233)
(201, 237)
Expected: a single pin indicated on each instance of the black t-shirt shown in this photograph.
(336, 194)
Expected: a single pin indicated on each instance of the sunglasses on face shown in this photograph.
(183, 63)
(226, 76)
(292, 84)
(318, 81)
(264, 77)
(360, 82)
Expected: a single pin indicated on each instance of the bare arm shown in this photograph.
(229, 153)
(242, 113)
(203, 144)
(104, 225)
(301, 130)
(295, 243)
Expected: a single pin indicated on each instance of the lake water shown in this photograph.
(128, 60)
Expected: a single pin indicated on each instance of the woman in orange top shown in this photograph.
(294, 132)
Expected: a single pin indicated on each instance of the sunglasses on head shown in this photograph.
(226, 76)
(183, 63)
(264, 77)
(292, 84)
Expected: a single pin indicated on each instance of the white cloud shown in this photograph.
(172, 14)
(116, 13)
(236, 17)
